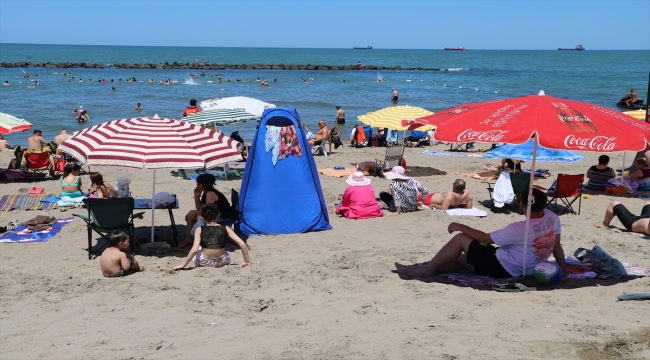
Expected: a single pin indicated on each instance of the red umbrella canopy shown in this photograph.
(151, 143)
(558, 123)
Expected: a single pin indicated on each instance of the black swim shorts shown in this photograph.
(627, 218)
(340, 121)
(394, 98)
(484, 259)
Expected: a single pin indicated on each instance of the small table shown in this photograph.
(145, 204)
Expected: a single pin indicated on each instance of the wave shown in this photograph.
(190, 81)
(457, 69)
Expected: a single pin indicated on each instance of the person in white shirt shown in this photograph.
(473, 249)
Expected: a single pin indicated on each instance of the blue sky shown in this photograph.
(396, 24)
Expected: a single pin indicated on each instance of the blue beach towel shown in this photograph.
(19, 235)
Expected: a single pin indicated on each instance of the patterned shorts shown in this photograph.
(202, 260)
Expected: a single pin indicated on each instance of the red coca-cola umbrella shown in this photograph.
(554, 123)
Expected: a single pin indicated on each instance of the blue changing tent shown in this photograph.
(286, 198)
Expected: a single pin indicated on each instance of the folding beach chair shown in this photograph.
(106, 216)
(394, 157)
(569, 189)
(519, 182)
(38, 163)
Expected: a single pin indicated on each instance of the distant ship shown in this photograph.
(578, 47)
(364, 48)
(458, 48)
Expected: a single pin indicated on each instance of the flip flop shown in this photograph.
(513, 287)
(637, 296)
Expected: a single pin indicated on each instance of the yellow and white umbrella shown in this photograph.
(391, 117)
(639, 114)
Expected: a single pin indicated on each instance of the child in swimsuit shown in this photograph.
(209, 248)
(71, 181)
(100, 188)
(116, 263)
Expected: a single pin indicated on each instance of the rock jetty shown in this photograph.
(188, 66)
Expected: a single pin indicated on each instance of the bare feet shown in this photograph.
(601, 225)
(415, 270)
(403, 269)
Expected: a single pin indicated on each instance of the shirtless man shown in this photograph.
(632, 223)
(632, 96)
(370, 168)
(36, 141)
(340, 116)
(63, 136)
(457, 197)
(4, 144)
(395, 97)
(320, 135)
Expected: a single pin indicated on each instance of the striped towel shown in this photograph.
(26, 202)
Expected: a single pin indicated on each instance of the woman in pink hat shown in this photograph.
(359, 199)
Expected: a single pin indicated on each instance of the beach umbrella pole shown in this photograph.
(623, 168)
(530, 202)
(153, 205)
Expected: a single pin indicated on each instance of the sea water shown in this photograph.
(599, 77)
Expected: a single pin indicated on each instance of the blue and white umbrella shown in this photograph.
(525, 152)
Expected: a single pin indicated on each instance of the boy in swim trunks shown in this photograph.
(632, 223)
(114, 262)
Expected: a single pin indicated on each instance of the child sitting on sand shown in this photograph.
(116, 263)
(101, 188)
(209, 248)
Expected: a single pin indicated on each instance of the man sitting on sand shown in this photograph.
(445, 200)
(4, 144)
(320, 135)
(36, 141)
(472, 249)
(632, 223)
(116, 263)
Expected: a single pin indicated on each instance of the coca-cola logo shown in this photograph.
(597, 143)
(484, 136)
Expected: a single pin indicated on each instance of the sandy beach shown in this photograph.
(322, 295)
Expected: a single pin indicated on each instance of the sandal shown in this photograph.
(513, 287)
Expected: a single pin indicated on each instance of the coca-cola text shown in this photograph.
(483, 136)
(596, 143)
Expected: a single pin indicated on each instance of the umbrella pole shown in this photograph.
(530, 202)
(623, 168)
(153, 205)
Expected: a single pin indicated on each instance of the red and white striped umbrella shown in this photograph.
(151, 143)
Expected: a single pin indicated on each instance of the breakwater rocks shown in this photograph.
(188, 66)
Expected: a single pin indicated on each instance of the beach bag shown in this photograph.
(601, 261)
(59, 165)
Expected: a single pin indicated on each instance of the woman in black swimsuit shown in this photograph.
(632, 223)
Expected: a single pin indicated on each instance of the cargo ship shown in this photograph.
(363, 48)
(458, 48)
(578, 47)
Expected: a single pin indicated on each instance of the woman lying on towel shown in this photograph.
(209, 247)
(359, 201)
(204, 193)
(71, 181)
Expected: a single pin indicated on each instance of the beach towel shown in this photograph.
(21, 235)
(272, 142)
(503, 192)
(466, 212)
(580, 272)
(486, 175)
(26, 202)
(289, 144)
(338, 173)
(437, 153)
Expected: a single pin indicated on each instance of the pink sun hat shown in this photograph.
(357, 179)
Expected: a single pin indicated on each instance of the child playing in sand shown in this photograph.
(116, 263)
(100, 187)
(209, 248)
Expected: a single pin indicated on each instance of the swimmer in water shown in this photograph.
(138, 107)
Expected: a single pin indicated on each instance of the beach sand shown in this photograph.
(322, 295)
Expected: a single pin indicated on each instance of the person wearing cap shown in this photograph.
(403, 196)
(474, 250)
(358, 200)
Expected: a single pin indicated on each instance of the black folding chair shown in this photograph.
(106, 216)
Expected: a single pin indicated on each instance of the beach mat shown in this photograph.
(19, 235)
(483, 281)
(191, 174)
(338, 173)
(26, 202)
